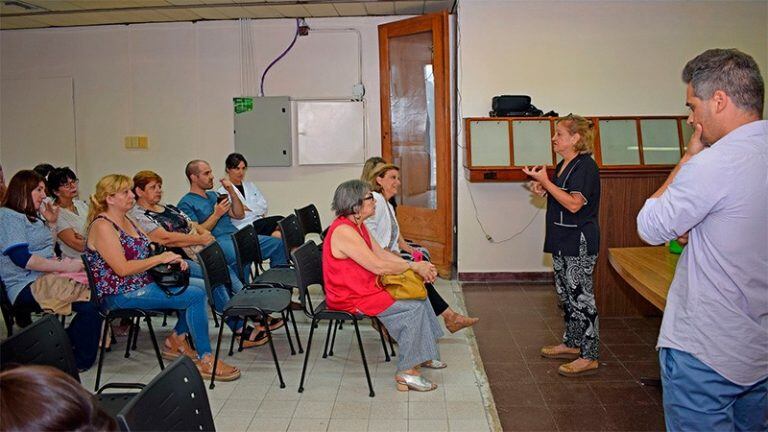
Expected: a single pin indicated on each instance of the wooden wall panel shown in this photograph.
(622, 197)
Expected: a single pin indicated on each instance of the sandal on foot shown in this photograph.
(569, 370)
(418, 383)
(276, 323)
(176, 346)
(459, 322)
(552, 352)
(224, 372)
(434, 364)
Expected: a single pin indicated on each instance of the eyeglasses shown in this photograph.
(71, 183)
(368, 197)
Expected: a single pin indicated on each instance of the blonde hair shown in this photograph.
(577, 124)
(379, 171)
(107, 186)
(370, 164)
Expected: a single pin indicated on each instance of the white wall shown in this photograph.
(174, 82)
(590, 57)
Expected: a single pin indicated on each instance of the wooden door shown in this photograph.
(415, 129)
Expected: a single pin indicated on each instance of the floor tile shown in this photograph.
(526, 418)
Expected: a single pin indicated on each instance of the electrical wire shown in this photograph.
(459, 130)
(263, 75)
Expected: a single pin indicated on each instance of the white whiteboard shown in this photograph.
(37, 124)
(330, 132)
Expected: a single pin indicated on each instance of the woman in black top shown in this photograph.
(573, 237)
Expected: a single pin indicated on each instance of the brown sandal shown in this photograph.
(224, 372)
(176, 346)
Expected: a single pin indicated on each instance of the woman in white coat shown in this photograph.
(254, 202)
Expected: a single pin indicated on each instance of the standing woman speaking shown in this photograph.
(573, 238)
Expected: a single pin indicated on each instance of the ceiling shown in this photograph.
(25, 14)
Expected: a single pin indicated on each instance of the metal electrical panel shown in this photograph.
(263, 130)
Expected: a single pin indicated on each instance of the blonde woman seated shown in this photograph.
(118, 254)
(351, 262)
(384, 180)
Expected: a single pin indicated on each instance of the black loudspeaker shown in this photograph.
(510, 103)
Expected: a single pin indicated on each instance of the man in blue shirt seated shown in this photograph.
(204, 207)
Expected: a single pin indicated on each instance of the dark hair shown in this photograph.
(57, 178)
(233, 160)
(2, 184)
(18, 196)
(43, 169)
(42, 398)
(349, 197)
(730, 70)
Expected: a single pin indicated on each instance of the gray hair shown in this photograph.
(731, 71)
(349, 197)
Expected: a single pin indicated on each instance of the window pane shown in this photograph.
(618, 142)
(490, 143)
(660, 142)
(412, 110)
(533, 142)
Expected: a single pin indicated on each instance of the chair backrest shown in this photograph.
(175, 400)
(308, 261)
(309, 220)
(247, 252)
(43, 343)
(215, 269)
(291, 232)
(91, 280)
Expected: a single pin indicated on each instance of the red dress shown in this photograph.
(348, 285)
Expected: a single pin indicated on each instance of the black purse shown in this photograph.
(168, 276)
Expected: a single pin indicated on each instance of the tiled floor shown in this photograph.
(516, 320)
(336, 395)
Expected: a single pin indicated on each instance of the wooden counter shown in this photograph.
(649, 270)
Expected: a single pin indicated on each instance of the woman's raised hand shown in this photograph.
(50, 211)
(538, 172)
(536, 188)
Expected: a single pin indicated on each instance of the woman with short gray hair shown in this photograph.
(351, 262)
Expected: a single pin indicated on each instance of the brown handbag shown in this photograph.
(404, 286)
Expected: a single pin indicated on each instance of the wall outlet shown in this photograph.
(136, 142)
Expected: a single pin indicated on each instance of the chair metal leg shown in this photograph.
(151, 330)
(136, 326)
(216, 356)
(327, 339)
(234, 336)
(104, 332)
(295, 329)
(306, 355)
(381, 336)
(341, 325)
(392, 346)
(333, 338)
(165, 319)
(130, 339)
(272, 348)
(287, 332)
(242, 334)
(362, 354)
(215, 316)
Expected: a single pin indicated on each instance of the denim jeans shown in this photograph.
(220, 294)
(696, 398)
(83, 329)
(191, 305)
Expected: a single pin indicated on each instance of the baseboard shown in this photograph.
(513, 277)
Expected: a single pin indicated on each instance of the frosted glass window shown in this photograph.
(618, 142)
(532, 142)
(660, 142)
(687, 132)
(490, 143)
